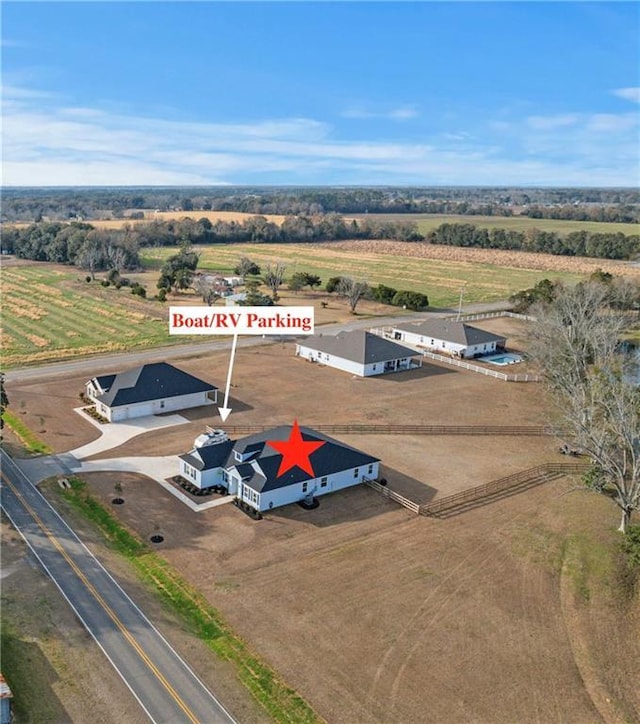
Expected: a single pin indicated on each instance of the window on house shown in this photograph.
(304, 487)
(370, 470)
(356, 472)
(323, 482)
(374, 367)
(432, 342)
(161, 403)
(237, 455)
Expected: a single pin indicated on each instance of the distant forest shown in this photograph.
(81, 244)
(581, 204)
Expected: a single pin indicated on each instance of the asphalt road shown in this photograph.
(166, 688)
(110, 362)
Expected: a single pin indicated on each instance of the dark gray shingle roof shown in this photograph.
(209, 456)
(359, 346)
(149, 382)
(451, 331)
(332, 457)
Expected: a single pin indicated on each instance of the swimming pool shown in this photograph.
(509, 358)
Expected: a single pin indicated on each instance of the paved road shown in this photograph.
(166, 688)
(99, 364)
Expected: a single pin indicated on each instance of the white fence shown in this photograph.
(492, 315)
(481, 370)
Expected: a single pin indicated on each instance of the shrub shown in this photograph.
(105, 283)
(162, 295)
(333, 284)
(87, 278)
(411, 300)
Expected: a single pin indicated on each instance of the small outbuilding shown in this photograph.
(358, 352)
(449, 337)
(148, 390)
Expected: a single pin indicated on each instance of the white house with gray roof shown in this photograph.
(148, 390)
(358, 352)
(249, 467)
(450, 337)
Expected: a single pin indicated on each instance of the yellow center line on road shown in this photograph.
(112, 615)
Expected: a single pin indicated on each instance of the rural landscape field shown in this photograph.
(390, 473)
(52, 313)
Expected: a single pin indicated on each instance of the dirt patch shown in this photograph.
(372, 613)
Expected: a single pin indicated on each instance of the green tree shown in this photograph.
(332, 284)
(410, 300)
(4, 400)
(246, 267)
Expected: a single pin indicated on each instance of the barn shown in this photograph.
(148, 390)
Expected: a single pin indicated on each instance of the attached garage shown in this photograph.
(148, 390)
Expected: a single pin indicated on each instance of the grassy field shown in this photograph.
(427, 222)
(50, 314)
(441, 280)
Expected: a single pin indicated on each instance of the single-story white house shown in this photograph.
(449, 337)
(148, 390)
(249, 467)
(358, 352)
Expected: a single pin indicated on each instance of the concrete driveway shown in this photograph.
(156, 468)
(117, 433)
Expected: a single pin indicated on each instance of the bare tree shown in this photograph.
(208, 287)
(597, 404)
(274, 277)
(352, 291)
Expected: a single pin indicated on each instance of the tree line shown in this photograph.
(81, 244)
(621, 205)
(607, 245)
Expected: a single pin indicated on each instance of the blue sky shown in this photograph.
(420, 93)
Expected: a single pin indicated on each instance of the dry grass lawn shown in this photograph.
(374, 614)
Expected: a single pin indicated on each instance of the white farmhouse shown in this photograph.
(450, 337)
(358, 352)
(249, 468)
(148, 390)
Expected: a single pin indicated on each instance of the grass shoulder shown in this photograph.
(282, 703)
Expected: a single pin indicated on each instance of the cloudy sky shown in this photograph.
(422, 93)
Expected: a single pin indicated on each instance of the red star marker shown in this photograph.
(295, 451)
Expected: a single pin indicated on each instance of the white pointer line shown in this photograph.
(225, 410)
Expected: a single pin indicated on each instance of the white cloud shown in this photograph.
(629, 94)
(47, 143)
(403, 113)
(545, 123)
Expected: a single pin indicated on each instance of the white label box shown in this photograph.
(241, 320)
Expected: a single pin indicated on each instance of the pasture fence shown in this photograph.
(510, 483)
(392, 495)
(391, 429)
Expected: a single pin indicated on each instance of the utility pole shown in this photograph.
(460, 304)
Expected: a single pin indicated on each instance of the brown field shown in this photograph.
(150, 215)
(497, 257)
(501, 614)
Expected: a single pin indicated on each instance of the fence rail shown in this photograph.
(492, 315)
(539, 474)
(480, 370)
(382, 429)
(392, 495)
